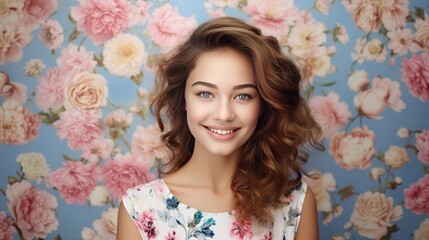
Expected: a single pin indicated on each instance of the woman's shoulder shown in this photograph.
(143, 196)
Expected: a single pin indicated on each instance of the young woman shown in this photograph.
(237, 128)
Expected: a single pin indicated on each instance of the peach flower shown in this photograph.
(13, 40)
(101, 20)
(320, 187)
(417, 196)
(373, 213)
(75, 181)
(12, 90)
(33, 210)
(141, 12)
(124, 172)
(168, 29)
(415, 74)
(107, 225)
(396, 157)
(394, 13)
(89, 234)
(366, 14)
(422, 32)
(85, 91)
(52, 34)
(358, 80)
(340, 33)
(422, 233)
(306, 37)
(17, 125)
(402, 40)
(6, 227)
(323, 6)
(329, 112)
(98, 148)
(403, 132)
(376, 173)
(146, 142)
(36, 11)
(34, 67)
(273, 17)
(99, 196)
(118, 119)
(422, 145)
(33, 165)
(11, 11)
(79, 128)
(50, 91)
(74, 60)
(353, 150)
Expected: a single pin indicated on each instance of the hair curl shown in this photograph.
(272, 159)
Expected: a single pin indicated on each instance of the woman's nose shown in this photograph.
(224, 111)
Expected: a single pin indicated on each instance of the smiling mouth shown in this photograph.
(221, 131)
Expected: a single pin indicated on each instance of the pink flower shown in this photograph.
(107, 225)
(102, 19)
(50, 91)
(147, 143)
(171, 235)
(99, 148)
(36, 11)
(402, 40)
(12, 90)
(141, 12)
(33, 210)
(415, 73)
(6, 227)
(383, 92)
(417, 196)
(74, 60)
(145, 223)
(52, 34)
(118, 119)
(168, 29)
(422, 145)
(272, 16)
(124, 172)
(79, 127)
(394, 13)
(329, 112)
(353, 150)
(75, 181)
(13, 39)
(241, 231)
(17, 125)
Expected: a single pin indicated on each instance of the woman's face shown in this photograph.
(222, 102)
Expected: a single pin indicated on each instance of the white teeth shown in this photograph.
(222, 132)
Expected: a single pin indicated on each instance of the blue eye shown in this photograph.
(243, 97)
(204, 94)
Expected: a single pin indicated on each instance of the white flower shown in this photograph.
(396, 157)
(99, 196)
(89, 234)
(107, 225)
(306, 37)
(422, 232)
(33, 67)
(374, 51)
(33, 165)
(398, 180)
(403, 132)
(124, 55)
(358, 81)
(11, 11)
(376, 173)
(340, 34)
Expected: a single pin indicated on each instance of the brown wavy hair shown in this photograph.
(271, 163)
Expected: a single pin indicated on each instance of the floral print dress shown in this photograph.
(158, 214)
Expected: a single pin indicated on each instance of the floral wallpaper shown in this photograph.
(75, 129)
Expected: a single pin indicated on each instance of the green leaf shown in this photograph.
(326, 84)
(392, 229)
(67, 158)
(346, 192)
(74, 35)
(12, 179)
(71, 19)
(53, 52)
(410, 19)
(425, 169)
(137, 79)
(420, 13)
(99, 60)
(58, 237)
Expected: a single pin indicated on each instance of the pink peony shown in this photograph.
(146, 142)
(52, 34)
(241, 230)
(118, 119)
(141, 12)
(102, 19)
(366, 14)
(75, 181)
(417, 196)
(168, 29)
(12, 90)
(17, 125)
(124, 172)
(50, 91)
(6, 227)
(353, 150)
(74, 60)
(36, 11)
(422, 145)
(13, 39)
(33, 210)
(415, 73)
(79, 128)
(329, 112)
(272, 16)
(394, 13)
(99, 148)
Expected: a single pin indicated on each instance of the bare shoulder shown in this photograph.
(126, 227)
(308, 226)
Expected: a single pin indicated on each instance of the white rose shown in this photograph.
(374, 51)
(358, 81)
(396, 157)
(398, 180)
(376, 173)
(422, 232)
(99, 196)
(33, 165)
(403, 133)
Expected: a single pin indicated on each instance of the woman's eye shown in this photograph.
(204, 94)
(243, 97)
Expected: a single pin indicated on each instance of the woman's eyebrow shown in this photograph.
(211, 85)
